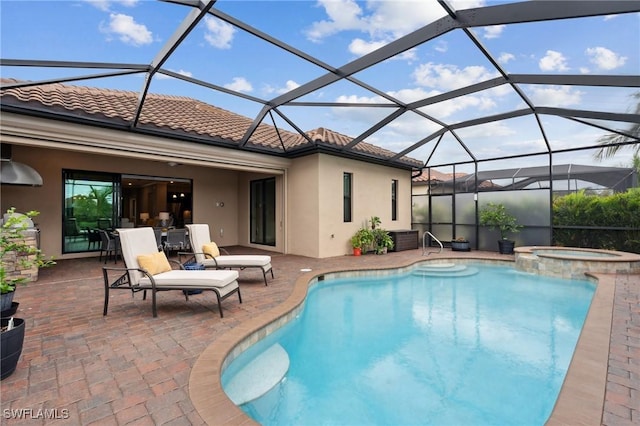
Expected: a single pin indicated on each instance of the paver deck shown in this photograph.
(128, 368)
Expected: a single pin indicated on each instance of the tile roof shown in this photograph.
(436, 176)
(178, 115)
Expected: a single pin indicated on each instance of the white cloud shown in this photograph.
(441, 46)
(342, 14)
(167, 77)
(604, 58)
(360, 47)
(494, 31)
(446, 109)
(105, 5)
(413, 95)
(289, 85)
(218, 33)
(553, 61)
(448, 77)
(556, 96)
(382, 21)
(239, 84)
(127, 30)
(505, 57)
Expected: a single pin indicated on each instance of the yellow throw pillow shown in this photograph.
(154, 263)
(211, 249)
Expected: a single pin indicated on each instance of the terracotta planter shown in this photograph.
(357, 251)
(11, 346)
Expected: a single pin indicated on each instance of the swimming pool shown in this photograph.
(472, 349)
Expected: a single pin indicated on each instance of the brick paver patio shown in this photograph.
(128, 368)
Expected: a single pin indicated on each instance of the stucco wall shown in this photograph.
(209, 185)
(371, 197)
(303, 206)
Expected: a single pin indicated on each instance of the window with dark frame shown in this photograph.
(347, 186)
(394, 199)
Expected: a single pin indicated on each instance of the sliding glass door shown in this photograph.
(91, 201)
(263, 212)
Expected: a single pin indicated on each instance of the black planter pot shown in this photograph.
(11, 311)
(506, 246)
(460, 246)
(11, 346)
(6, 300)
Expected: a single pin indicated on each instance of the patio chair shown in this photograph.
(176, 240)
(93, 238)
(146, 268)
(108, 246)
(158, 234)
(209, 254)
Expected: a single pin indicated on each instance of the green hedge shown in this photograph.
(620, 211)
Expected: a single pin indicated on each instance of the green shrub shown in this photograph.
(577, 216)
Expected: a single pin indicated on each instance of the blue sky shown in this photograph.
(337, 32)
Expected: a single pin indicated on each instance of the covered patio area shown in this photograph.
(129, 368)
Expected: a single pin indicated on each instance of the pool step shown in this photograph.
(445, 270)
(259, 376)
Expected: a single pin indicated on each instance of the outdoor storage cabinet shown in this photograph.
(406, 239)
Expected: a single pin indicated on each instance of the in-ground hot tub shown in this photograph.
(574, 262)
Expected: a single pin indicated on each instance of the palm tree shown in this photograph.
(614, 142)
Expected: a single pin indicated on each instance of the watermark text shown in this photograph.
(32, 414)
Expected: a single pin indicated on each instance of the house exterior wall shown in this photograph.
(303, 206)
(309, 196)
(318, 215)
(47, 199)
(371, 197)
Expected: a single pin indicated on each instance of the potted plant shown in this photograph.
(460, 244)
(496, 216)
(361, 239)
(375, 221)
(382, 241)
(15, 253)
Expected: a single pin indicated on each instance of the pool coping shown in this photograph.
(581, 398)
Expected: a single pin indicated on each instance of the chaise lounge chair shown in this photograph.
(208, 254)
(148, 269)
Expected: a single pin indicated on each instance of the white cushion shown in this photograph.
(228, 261)
(199, 236)
(194, 279)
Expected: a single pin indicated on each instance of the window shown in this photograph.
(346, 197)
(263, 212)
(394, 199)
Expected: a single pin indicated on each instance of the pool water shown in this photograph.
(490, 348)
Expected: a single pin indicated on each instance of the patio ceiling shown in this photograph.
(508, 118)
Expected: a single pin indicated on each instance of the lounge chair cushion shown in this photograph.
(232, 260)
(211, 249)
(194, 279)
(154, 263)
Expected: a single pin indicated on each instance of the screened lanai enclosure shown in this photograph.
(448, 208)
(512, 101)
